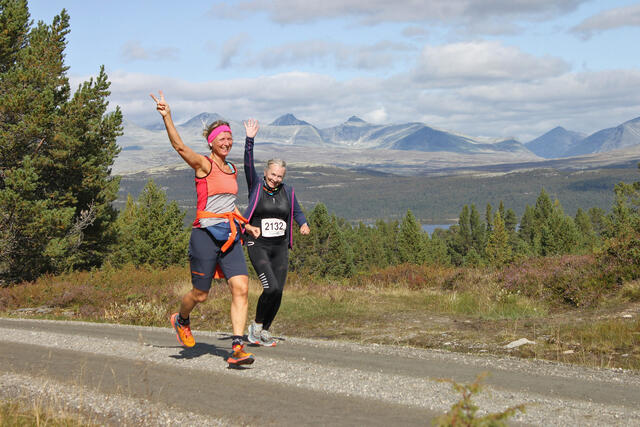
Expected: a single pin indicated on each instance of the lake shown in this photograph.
(430, 227)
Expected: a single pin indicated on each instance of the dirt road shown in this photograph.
(128, 375)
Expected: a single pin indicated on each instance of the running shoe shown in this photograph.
(240, 357)
(253, 334)
(266, 339)
(183, 332)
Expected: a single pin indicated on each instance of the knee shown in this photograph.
(199, 296)
(272, 292)
(239, 286)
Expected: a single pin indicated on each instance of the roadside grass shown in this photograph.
(458, 309)
(18, 414)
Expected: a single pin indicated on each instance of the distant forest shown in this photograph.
(366, 196)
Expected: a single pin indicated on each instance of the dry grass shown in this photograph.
(460, 309)
(19, 414)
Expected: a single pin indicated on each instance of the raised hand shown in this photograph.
(251, 126)
(161, 104)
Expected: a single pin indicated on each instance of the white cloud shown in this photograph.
(134, 51)
(231, 48)
(376, 116)
(525, 109)
(609, 19)
(415, 31)
(322, 53)
(469, 62)
(432, 11)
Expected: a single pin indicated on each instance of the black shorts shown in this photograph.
(205, 254)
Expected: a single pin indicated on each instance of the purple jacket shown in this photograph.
(254, 185)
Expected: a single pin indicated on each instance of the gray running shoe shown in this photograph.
(253, 334)
(266, 339)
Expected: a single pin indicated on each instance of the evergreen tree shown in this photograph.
(488, 217)
(599, 220)
(389, 234)
(543, 209)
(527, 229)
(411, 240)
(56, 153)
(478, 231)
(463, 238)
(324, 252)
(436, 250)
(510, 221)
(622, 245)
(498, 249)
(558, 233)
(587, 236)
(151, 231)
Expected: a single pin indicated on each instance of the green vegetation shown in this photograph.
(55, 185)
(514, 263)
(464, 412)
(368, 197)
(150, 231)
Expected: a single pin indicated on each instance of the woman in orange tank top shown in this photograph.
(216, 188)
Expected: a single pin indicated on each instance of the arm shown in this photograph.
(299, 217)
(198, 162)
(254, 231)
(251, 126)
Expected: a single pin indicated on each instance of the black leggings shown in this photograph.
(271, 262)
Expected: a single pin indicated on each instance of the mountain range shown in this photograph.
(404, 149)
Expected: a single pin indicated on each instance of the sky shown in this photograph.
(483, 68)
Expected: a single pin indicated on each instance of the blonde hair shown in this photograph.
(212, 126)
(277, 162)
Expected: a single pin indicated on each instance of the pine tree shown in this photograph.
(527, 229)
(151, 231)
(56, 153)
(478, 231)
(510, 220)
(543, 209)
(463, 239)
(587, 236)
(558, 233)
(325, 252)
(488, 217)
(411, 240)
(498, 249)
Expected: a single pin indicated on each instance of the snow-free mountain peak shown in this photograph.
(355, 120)
(289, 120)
(554, 143)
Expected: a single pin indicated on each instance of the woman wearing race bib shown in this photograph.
(272, 207)
(214, 247)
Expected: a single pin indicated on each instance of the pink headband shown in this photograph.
(217, 131)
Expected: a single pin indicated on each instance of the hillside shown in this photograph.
(365, 195)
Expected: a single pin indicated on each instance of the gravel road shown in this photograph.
(127, 375)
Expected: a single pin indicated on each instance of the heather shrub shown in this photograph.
(576, 280)
(410, 276)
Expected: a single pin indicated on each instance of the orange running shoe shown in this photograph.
(183, 332)
(240, 357)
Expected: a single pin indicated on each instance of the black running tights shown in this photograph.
(271, 262)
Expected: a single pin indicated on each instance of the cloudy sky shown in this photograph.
(493, 68)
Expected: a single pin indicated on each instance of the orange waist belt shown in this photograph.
(229, 216)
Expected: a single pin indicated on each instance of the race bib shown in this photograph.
(272, 227)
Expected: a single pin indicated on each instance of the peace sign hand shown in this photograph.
(161, 104)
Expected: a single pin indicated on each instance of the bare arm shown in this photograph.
(254, 231)
(198, 162)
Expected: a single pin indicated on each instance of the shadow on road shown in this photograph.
(201, 349)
